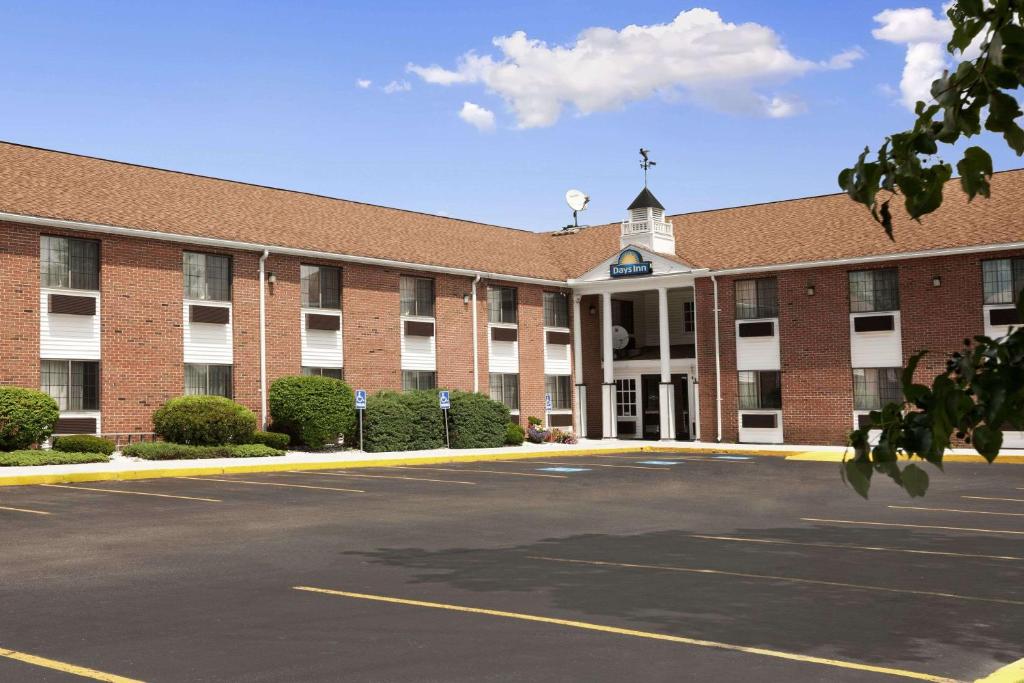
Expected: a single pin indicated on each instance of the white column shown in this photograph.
(609, 428)
(666, 395)
(577, 366)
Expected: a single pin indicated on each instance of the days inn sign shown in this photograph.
(630, 264)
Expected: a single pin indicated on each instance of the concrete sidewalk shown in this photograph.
(122, 468)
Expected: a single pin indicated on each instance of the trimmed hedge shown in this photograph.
(514, 434)
(273, 439)
(204, 421)
(388, 423)
(313, 410)
(163, 450)
(476, 421)
(27, 417)
(427, 419)
(26, 458)
(84, 443)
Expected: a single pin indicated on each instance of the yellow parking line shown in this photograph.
(129, 493)
(846, 546)
(32, 512)
(474, 471)
(778, 654)
(911, 526)
(966, 512)
(770, 577)
(65, 667)
(382, 476)
(272, 483)
(591, 464)
(1008, 500)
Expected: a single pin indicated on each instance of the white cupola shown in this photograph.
(646, 226)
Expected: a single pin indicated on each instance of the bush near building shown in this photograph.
(84, 443)
(27, 417)
(31, 458)
(476, 421)
(277, 440)
(204, 421)
(388, 422)
(514, 434)
(314, 411)
(427, 420)
(163, 450)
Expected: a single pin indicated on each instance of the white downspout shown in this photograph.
(476, 349)
(718, 368)
(263, 340)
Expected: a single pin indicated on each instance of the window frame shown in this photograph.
(305, 280)
(495, 313)
(765, 302)
(761, 392)
(317, 371)
(894, 386)
(626, 398)
(875, 305)
(1016, 280)
(689, 317)
(203, 275)
(86, 403)
(553, 320)
(412, 295)
(73, 282)
(509, 384)
(552, 386)
(419, 375)
(206, 379)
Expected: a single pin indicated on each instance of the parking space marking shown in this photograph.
(452, 469)
(272, 483)
(129, 493)
(602, 628)
(966, 512)
(31, 512)
(770, 577)
(912, 526)
(383, 476)
(590, 464)
(1008, 500)
(855, 547)
(65, 667)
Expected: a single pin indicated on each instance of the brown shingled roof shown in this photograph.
(44, 183)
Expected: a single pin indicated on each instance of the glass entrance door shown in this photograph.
(649, 405)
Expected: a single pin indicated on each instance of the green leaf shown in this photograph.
(857, 473)
(915, 480)
(987, 441)
(975, 170)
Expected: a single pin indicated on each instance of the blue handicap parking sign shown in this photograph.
(445, 400)
(547, 402)
(360, 399)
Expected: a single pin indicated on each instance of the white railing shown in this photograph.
(646, 226)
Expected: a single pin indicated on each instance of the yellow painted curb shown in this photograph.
(1011, 673)
(838, 456)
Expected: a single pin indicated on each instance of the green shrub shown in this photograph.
(84, 443)
(388, 423)
(163, 450)
(31, 458)
(313, 410)
(514, 434)
(534, 421)
(204, 421)
(476, 421)
(275, 440)
(427, 419)
(27, 417)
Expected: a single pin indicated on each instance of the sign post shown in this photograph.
(547, 410)
(360, 407)
(445, 401)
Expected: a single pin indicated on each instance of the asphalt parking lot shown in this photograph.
(627, 567)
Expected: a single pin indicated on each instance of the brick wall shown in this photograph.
(19, 306)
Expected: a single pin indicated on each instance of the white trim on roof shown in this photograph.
(250, 246)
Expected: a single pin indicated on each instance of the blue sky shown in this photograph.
(267, 93)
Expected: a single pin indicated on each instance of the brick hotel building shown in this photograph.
(126, 285)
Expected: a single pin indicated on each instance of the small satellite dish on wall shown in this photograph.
(576, 200)
(620, 337)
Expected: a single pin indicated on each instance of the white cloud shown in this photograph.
(721, 64)
(845, 59)
(477, 116)
(363, 83)
(397, 86)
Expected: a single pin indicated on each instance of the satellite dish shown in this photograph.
(576, 200)
(620, 337)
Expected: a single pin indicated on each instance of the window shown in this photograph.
(874, 290)
(501, 304)
(556, 309)
(757, 298)
(505, 389)
(321, 286)
(875, 387)
(68, 263)
(760, 390)
(207, 277)
(336, 373)
(213, 380)
(561, 391)
(625, 397)
(74, 384)
(418, 379)
(1003, 279)
(689, 317)
(417, 296)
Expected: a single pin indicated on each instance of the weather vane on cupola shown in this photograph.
(646, 163)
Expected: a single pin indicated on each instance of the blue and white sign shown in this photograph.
(547, 402)
(631, 263)
(445, 400)
(360, 399)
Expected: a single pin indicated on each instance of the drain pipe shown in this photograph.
(263, 340)
(476, 347)
(718, 368)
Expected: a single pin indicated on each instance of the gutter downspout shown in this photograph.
(718, 368)
(263, 340)
(476, 349)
